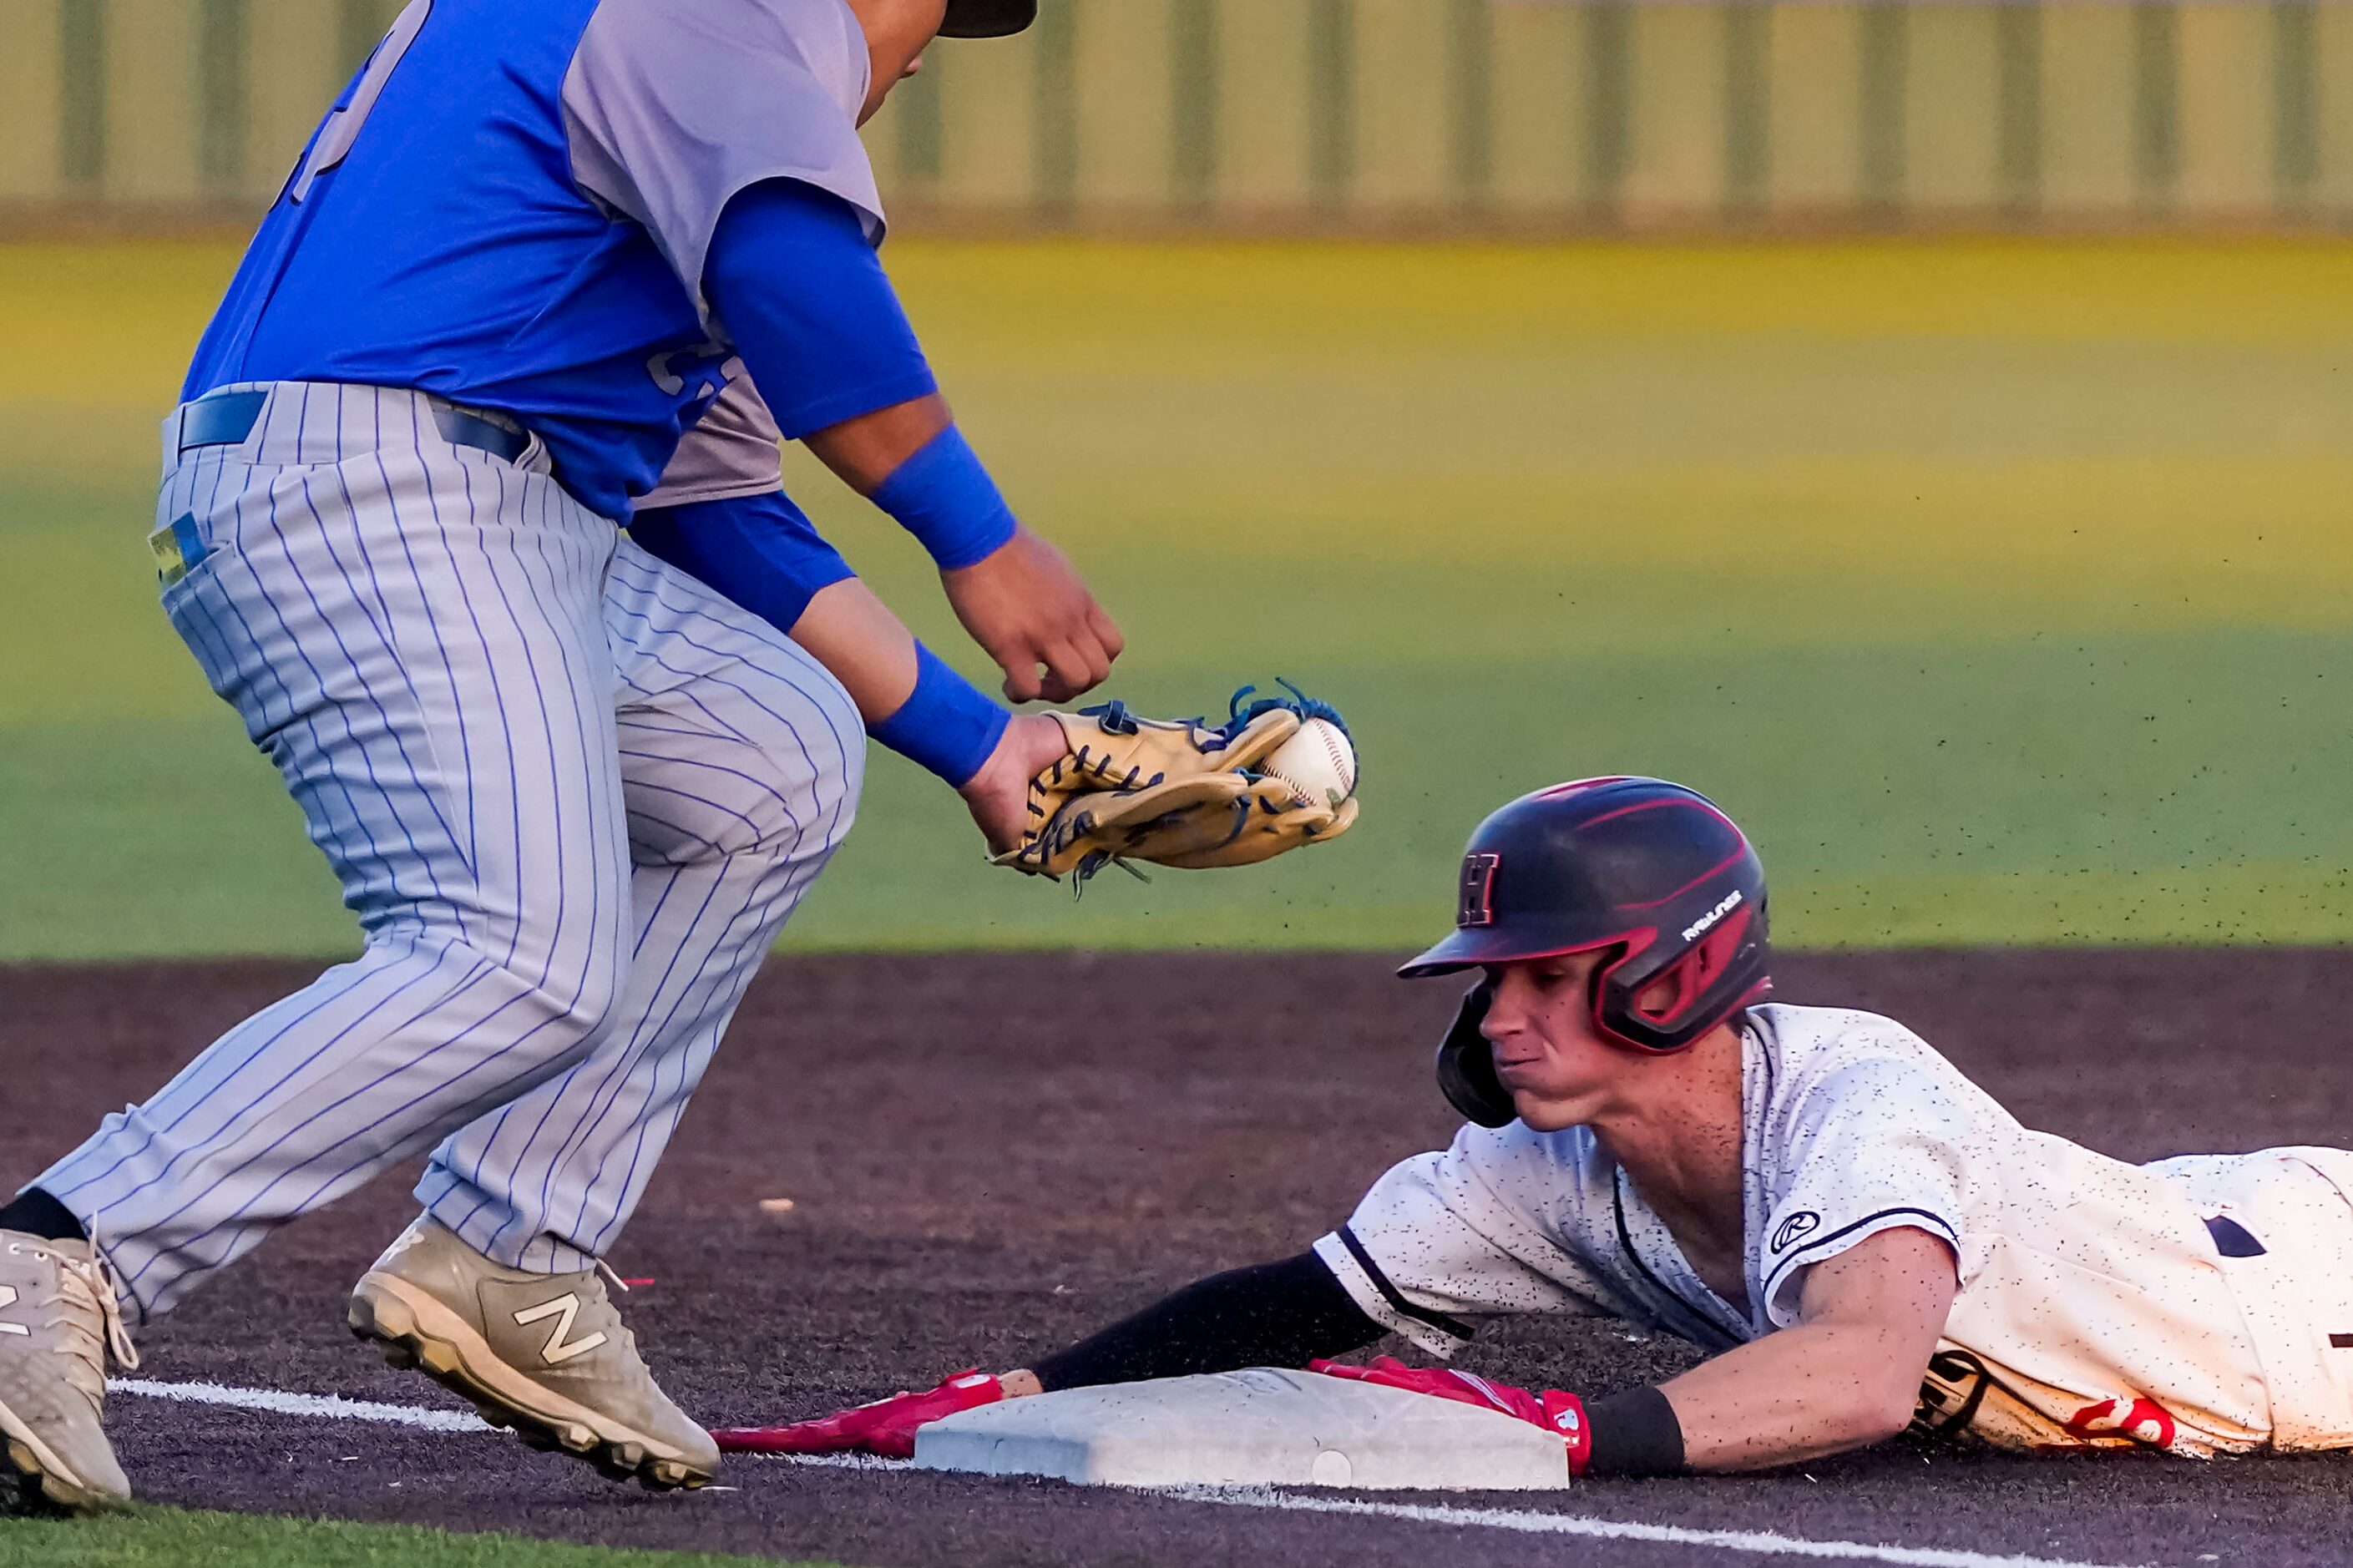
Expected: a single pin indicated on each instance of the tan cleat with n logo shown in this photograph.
(57, 1321)
(543, 1353)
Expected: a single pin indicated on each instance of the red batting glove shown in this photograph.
(887, 1426)
(1562, 1414)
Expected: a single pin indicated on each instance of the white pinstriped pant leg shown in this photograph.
(416, 635)
(740, 764)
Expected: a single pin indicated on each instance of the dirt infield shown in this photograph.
(974, 1179)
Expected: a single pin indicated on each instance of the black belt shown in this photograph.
(227, 418)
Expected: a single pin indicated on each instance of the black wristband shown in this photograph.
(1634, 1434)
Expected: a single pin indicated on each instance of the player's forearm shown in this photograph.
(863, 644)
(760, 551)
(912, 701)
(1273, 1314)
(865, 451)
(1805, 1392)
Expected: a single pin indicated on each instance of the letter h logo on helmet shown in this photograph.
(1477, 907)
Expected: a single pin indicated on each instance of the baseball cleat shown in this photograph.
(58, 1318)
(545, 1355)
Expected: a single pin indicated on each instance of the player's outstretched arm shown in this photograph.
(759, 551)
(1022, 600)
(1845, 1375)
(1273, 1314)
(791, 273)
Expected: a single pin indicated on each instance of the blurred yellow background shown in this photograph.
(1736, 412)
(1285, 113)
(1999, 586)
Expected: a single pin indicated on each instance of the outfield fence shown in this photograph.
(1453, 115)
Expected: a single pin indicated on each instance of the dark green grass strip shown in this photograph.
(1885, 45)
(2017, 52)
(171, 1538)
(1054, 150)
(2296, 102)
(81, 111)
(1332, 101)
(222, 53)
(2157, 103)
(1193, 105)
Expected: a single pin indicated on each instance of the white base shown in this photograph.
(1265, 1426)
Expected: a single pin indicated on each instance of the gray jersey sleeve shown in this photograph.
(671, 107)
(1446, 1238)
(730, 451)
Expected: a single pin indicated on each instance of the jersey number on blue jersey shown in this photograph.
(343, 127)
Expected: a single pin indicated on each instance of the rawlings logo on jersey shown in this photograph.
(1802, 1223)
(1477, 907)
(1693, 931)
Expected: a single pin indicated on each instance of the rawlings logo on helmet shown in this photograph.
(1693, 931)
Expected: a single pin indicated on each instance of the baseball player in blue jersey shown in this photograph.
(544, 271)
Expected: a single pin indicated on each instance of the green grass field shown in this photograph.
(172, 1538)
(2002, 589)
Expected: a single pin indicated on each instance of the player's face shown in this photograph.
(897, 32)
(1560, 1070)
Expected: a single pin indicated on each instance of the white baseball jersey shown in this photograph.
(2200, 1305)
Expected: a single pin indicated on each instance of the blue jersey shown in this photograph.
(511, 207)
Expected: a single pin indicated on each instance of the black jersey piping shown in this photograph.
(1942, 1225)
(1634, 1256)
(1396, 1298)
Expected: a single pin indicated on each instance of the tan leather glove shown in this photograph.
(1177, 792)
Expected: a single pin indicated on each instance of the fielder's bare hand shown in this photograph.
(1029, 609)
(998, 795)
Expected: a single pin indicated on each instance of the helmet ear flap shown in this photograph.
(1466, 1064)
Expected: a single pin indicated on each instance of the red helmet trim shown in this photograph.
(1632, 944)
(1717, 870)
(1629, 943)
(1573, 785)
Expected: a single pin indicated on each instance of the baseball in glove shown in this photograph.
(1179, 793)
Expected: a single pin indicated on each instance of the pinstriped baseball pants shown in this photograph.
(571, 794)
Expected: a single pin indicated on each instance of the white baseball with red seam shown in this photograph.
(1317, 763)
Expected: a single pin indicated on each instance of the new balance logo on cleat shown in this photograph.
(564, 1308)
(7, 1299)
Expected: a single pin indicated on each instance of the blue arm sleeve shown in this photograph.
(791, 276)
(759, 551)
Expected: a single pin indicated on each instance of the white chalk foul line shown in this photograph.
(334, 1407)
(1524, 1521)
(1533, 1522)
(331, 1406)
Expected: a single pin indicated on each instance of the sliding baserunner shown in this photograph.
(1862, 1236)
(517, 294)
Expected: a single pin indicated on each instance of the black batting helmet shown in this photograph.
(988, 18)
(1650, 873)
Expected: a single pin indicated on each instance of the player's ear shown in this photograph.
(1466, 1064)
